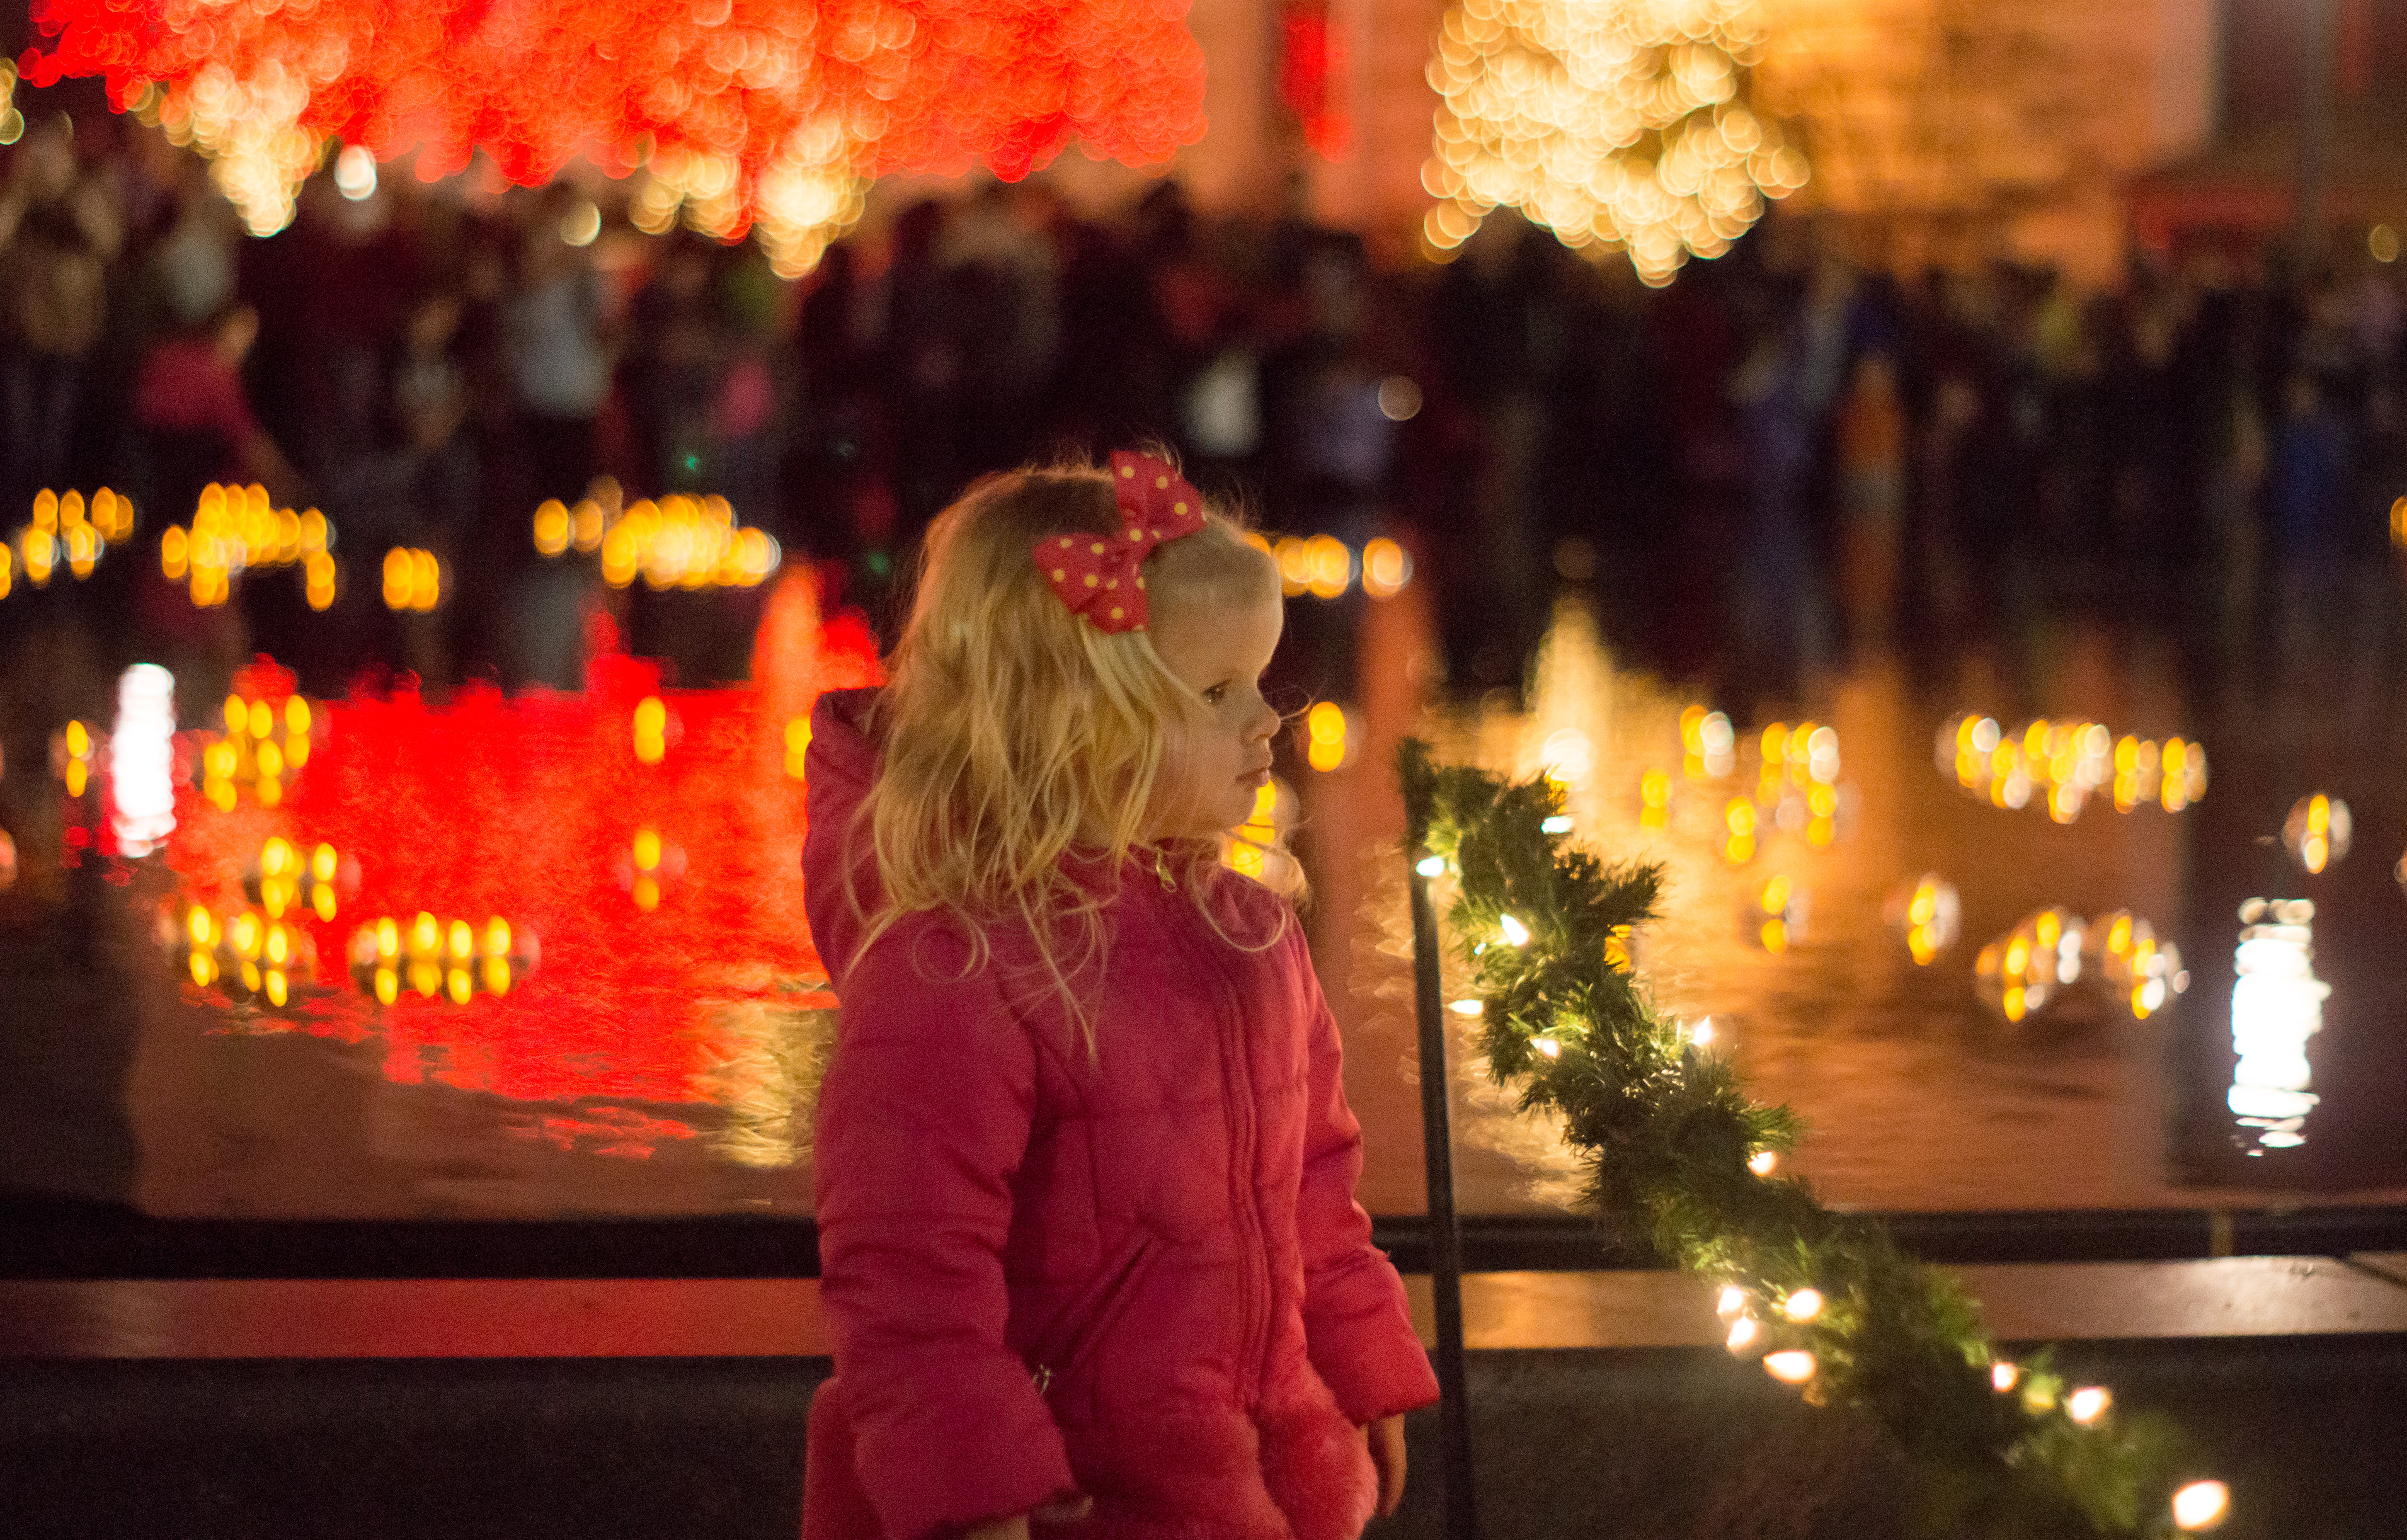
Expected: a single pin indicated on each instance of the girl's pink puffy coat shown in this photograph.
(1145, 1281)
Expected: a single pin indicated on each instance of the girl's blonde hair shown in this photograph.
(1016, 738)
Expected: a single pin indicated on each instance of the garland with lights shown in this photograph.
(1619, 125)
(1676, 1151)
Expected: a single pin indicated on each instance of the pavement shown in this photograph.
(637, 1409)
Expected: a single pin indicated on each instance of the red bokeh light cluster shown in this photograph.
(921, 85)
(525, 808)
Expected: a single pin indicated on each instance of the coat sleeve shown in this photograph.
(923, 1117)
(1356, 1327)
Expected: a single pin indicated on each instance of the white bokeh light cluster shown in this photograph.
(1614, 123)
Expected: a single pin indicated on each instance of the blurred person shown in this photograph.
(558, 343)
(59, 231)
(1871, 464)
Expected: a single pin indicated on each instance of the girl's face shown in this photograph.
(1220, 753)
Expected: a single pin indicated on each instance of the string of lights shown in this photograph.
(1676, 1152)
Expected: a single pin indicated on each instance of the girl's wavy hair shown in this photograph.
(1014, 736)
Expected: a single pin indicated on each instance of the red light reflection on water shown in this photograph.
(525, 810)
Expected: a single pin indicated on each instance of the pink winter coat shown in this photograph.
(1145, 1280)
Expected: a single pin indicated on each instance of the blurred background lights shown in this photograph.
(679, 541)
(1386, 567)
(2277, 1005)
(582, 225)
(1329, 733)
(1400, 398)
(413, 579)
(2023, 969)
(2202, 1504)
(355, 173)
(1618, 125)
(141, 760)
(2318, 832)
(1928, 913)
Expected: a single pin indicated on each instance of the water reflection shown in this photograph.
(1928, 1078)
(2277, 1005)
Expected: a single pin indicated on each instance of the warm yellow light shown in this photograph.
(204, 968)
(1763, 1162)
(275, 987)
(1794, 1366)
(1386, 567)
(651, 730)
(497, 976)
(1466, 1007)
(2089, 1404)
(1731, 1301)
(201, 925)
(497, 937)
(648, 850)
(1743, 1334)
(1516, 934)
(321, 900)
(1325, 735)
(552, 527)
(461, 938)
(424, 935)
(388, 986)
(387, 938)
(646, 893)
(2202, 1504)
(396, 578)
(426, 978)
(1803, 1305)
(459, 985)
(2002, 1377)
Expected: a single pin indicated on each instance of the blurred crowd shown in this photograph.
(1781, 457)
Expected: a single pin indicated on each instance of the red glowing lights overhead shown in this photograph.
(760, 107)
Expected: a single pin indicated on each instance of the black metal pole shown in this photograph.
(1444, 1236)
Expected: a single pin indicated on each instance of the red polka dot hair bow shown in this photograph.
(1099, 576)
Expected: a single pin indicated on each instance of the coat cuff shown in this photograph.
(978, 1453)
(1370, 1359)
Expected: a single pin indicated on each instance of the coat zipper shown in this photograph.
(1238, 1077)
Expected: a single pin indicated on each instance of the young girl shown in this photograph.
(1086, 1171)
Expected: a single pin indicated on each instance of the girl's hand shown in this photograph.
(1069, 1510)
(1386, 1440)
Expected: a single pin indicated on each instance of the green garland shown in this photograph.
(1676, 1152)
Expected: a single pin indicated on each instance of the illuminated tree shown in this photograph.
(1619, 124)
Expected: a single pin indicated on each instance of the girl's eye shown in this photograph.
(1216, 695)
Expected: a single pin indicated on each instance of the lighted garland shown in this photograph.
(1676, 1152)
(1619, 124)
(743, 112)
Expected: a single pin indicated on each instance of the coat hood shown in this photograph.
(837, 771)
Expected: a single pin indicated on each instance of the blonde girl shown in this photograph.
(1086, 1171)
